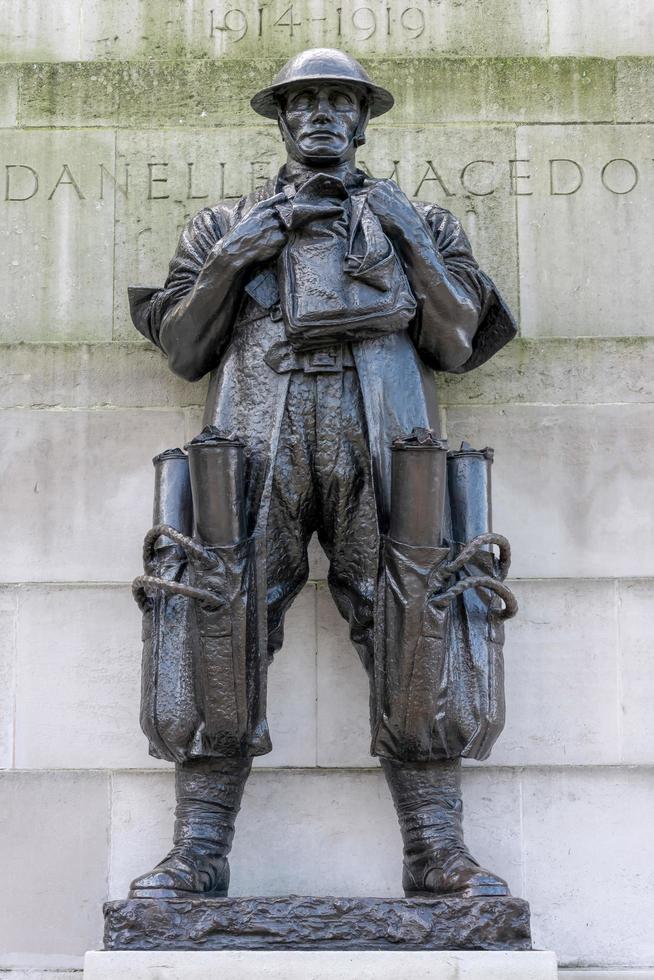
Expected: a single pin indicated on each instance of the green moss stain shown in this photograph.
(202, 92)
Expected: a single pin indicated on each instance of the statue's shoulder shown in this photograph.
(435, 214)
(445, 225)
(219, 218)
(214, 220)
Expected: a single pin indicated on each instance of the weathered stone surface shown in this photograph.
(606, 974)
(498, 89)
(601, 27)
(144, 29)
(8, 607)
(587, 835)
(567, 289)
(154, 30)
(564, 630)
(318, 561)
(325, 831)
(208, 93)
(560, 653)
(491, 809)
(342, 708)
(70, 93)
(636, 673)
(134, 95)
(140, 824)
(193, 422)
(79, 488)
(562, 371)
(297, 922)
(78, 679)
(569, 485)
(53, 850)
(292, 689)
(428, 163)
(56, 236)
(17, 974)
(34, 31)
(93, 376)
(8, 95)
(634, 94)
(326, 965)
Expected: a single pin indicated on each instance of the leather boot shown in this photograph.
(209, 796)
(427, 798)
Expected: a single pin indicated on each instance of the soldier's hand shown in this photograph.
(395, 211)
(259, 236)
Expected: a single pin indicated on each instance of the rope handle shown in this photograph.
(148, 583)
(472, 547)
(142, 586)
(188, 545)
(480, 582)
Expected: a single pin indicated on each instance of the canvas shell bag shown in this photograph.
(339, 276)
(440, 631)
(203, 687)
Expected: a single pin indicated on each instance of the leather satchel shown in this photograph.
(339, 276)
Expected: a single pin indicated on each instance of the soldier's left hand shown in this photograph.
(391, 205)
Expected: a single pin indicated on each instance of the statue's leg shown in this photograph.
(209, 793)
(291, 512)
(209, 790)
(427, 798)
(347, 528)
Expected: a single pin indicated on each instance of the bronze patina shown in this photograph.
(321, 306)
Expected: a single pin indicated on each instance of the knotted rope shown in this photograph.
(490, 582)
(145, 585)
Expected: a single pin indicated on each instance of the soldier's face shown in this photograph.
(322, 121)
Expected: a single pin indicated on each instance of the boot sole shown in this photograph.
(175, 893)
(478, 891)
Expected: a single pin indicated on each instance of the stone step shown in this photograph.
(294, 965)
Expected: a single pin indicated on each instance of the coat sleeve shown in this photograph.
(461, 320)
(191, 318)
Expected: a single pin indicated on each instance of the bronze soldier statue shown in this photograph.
(321, 305)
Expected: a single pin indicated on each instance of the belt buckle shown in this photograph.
(326, 361)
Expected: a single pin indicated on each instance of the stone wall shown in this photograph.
(533, 120)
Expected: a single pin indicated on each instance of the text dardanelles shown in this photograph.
(182, 180)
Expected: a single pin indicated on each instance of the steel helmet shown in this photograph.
(321, 65)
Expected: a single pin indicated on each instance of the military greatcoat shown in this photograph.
(212, 316)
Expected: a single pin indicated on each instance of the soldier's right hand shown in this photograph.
(258, 236)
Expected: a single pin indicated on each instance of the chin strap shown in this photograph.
(360, 134)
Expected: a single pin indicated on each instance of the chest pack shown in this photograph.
(339, 276)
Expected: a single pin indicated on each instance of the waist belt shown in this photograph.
(281, 357)
(329, 360)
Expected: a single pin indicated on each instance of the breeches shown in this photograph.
(322, 482)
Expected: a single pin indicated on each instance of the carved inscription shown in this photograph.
(230, 24)
(163, 180)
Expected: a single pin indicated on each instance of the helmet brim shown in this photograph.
(265, 101)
